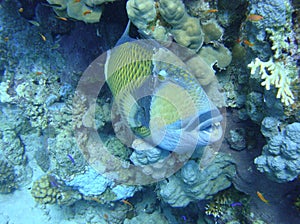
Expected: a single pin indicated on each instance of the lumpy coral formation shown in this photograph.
(280, 158)
(49, 190)
(157, 19)
(193, 184)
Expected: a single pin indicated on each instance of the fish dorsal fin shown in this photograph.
(125, 36)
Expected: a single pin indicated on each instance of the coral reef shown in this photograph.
(65, 154)
(165, 19)
(91, 183)
(7, 177)
(146, 154)
(280, 70)
(49, 190)
(237, 139)
(280, 159)
(192, 184)
(89, 11)
(37, 82)
(185, 29)
(157, 20)
(117, 148)
(219, 55)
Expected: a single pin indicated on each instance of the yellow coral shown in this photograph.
(276, 74)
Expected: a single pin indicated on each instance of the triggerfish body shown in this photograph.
(159, 100)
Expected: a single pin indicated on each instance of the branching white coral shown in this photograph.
(275, 73)
(279, 40)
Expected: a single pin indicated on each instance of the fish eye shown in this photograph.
(162, 74)
(160, 77)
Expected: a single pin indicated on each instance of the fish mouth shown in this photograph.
(208, 125)
(185, 135)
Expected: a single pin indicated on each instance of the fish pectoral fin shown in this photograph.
(131, 110)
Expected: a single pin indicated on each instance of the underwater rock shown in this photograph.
(4, 96)
(7, 178)
(280, 158)
(237, 139)
(123, 192)
(89, 183)
(254, 106)
(269, 127)
(12, 148)
(42, 159)
(153, 218)
(192, 184)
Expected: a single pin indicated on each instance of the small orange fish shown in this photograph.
(211, 11)
(39, 73)
(61, 18)
(76, 1)
(247, 42)
(21, 10)
(254, 17)
(127, 203)
(87, 12)
(43, 37)
(261, 197)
